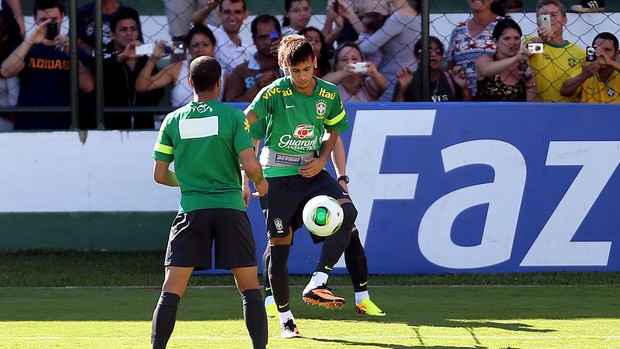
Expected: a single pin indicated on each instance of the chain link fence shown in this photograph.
(162, 20)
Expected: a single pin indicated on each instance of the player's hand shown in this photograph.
(313, 167)
(262, 187)
(247, 194)
(344, 185)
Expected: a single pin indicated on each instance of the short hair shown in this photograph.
(199, 29)
(342, 46)
(47, 5)
(205, 72)
(557, 3)
(264, 18)
(124, 13)
(295, 49)
(607, 36)
(233, 1)
(505, 24)
(417, 48)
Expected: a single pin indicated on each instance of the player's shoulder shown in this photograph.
(326, 88)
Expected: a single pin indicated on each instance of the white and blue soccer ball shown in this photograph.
(323, 215)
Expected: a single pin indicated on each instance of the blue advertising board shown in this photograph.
(479, 187)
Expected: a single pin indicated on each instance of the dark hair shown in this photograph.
(498, 9)
(607, 36)
(124, 13)
(344, 45)
(323, 62)
(46, 5)
(205, 72)
(287, 7)
(295, 49)
(417, 48)
(234, 1)
(199, 29)
(376, 20)
(264, 18)
(504, 24)
(557, 3)
(10, 34)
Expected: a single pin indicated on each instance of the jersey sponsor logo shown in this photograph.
(325, 94)
(304, 131)
(275, 91)
(321, 108)
(288, 160)
(288, 142)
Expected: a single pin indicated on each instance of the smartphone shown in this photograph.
(144, 49)
(535, 47)
(590, 54)
(544, 21)
(173, 48)
(359, 67)
(274, 35)
(52, 31)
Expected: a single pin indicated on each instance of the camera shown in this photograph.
(359, 67)
(52, 31)
(176, 47)
(144, 49)
(590, 54)
(535, 47)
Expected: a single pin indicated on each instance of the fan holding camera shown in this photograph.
(599, 79)
(506, 76)
(558, 58)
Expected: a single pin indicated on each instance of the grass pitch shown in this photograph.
(422, 316)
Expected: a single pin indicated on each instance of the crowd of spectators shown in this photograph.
(370, 49)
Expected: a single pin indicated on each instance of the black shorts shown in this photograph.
(193, 234)
(284, 203)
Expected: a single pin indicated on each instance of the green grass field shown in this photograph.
(424, 316)
(70, 300)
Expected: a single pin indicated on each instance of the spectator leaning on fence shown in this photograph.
(599, 79)
(445, 86)
(560, 59)
(506, 76)
(43, 67)
(473, 38)
(121, 67)
(396, 38)
(230, 51)
(248, 78)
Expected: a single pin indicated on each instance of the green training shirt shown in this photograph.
(295, 122)
(204, 141)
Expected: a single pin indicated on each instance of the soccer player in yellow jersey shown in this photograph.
(560, 58)
(599, 80)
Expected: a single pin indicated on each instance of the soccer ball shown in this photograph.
(323, 215)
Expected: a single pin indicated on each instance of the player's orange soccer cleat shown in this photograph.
(323, 296)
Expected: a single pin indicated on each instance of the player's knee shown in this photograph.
(350, 212)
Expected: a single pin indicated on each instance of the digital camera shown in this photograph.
(535, 47)
(590, 54)
(359, 67)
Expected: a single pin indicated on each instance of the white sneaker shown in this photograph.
(289, 330)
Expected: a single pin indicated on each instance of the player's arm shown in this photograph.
(254, 171)
(163, 175)
(339, 159)
(316, 165)
(250, 115)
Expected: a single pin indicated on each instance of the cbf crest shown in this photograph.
(321, 107)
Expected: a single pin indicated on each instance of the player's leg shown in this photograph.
(357, 265)
(235, 249)
(270, 303)
(165, 314)
(279, 281)
(317, 292)
(252, 300)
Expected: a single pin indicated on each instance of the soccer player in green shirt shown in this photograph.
(207, 140)
(304, 117)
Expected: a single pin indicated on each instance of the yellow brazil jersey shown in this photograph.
(556, 64)
(594, 90)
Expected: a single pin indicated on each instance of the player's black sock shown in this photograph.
(334, 245)
(266, 283)
(278, 276)
(255, 317)
(164, 317)
(355, 259)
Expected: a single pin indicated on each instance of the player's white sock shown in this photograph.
(318, 278)
(284, 317)
(360, 296)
